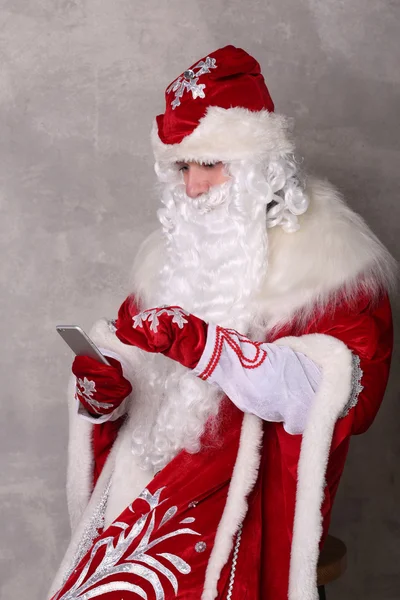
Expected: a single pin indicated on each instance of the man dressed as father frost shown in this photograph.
(204, 461)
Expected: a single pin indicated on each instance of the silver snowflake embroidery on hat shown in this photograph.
(177, 314)
(188, 82)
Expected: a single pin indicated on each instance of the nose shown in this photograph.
(196, 183)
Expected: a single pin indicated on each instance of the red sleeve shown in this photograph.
(103, 438)
(366, 328)
(368, 331)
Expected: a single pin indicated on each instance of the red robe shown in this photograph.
(226, 515)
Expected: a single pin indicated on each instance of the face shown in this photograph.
(198, 179)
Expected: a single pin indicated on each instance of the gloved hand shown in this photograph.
(169, 330)
(100, 388)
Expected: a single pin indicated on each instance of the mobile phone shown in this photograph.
(80, 343)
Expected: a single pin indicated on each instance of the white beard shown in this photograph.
(215, 261)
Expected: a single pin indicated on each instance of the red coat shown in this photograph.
(251, 477)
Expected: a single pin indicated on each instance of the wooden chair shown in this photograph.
(332, 563)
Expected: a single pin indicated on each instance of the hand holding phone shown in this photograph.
(100, 384)
(100, 388)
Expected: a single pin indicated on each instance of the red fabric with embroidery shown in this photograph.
(106, 385)
(196, 485)
(262, 568)
(235, 81)
(181, 337)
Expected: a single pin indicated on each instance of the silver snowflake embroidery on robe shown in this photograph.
(189, 81)
(177, 314)
(139, 561)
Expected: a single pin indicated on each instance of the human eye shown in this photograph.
(182, 166)
(210, 165)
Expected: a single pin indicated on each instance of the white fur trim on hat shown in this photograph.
(227, 134)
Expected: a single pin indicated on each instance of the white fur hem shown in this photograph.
(335, 361)
(80, 460)
(227, 134)
(243, 479)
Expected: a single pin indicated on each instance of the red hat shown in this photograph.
(220, 110)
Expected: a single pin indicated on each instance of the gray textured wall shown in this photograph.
(80, 81)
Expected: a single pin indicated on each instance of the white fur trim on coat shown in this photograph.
(242, 482)
(73, 553)
(228, 134)
(333, 254)
(335, 360)
(80, 460)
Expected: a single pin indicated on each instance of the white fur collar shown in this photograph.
(334, 251)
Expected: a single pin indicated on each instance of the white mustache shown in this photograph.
(214, 198)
